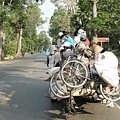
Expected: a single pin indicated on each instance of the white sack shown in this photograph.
(106, 66)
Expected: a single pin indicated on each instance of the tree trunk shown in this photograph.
(94, 15)
(19, 38)
(2, 39)
(3, 45)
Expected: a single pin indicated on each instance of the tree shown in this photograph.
(98, 17)
(70, 5)
(60, 21)
(41, 1)
(43, 41)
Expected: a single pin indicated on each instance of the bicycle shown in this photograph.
(75, 74)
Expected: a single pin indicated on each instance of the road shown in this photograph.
(24, 94)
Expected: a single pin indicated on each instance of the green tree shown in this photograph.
(20, 21)
(60, 21)
(43, 41)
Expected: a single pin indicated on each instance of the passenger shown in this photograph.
(47, 54)
(53, 61)
(59, 40)
(107, 71)
(94, 42)
(77, 38)
(67, 51)
(82, 50)
(69, 39)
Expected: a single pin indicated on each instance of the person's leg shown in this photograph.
(50, 75)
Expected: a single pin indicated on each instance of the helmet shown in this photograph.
(66, 44)
(60, 34)
(61, 48)
(52, 48)
(94, 41)
(80, 31)
(83, 37)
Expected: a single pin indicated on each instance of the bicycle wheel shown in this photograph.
(74, 73)
(61, 85)
(112, 95)
(55, 90)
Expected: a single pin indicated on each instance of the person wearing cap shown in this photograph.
(106, 70)
(77, 38)
(69, 39)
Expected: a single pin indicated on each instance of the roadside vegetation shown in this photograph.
(19, 20)
(100, 18)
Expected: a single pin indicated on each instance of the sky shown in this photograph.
(48, 9)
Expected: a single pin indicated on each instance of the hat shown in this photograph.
(66, 44)
(94, 41)
(97, 49)
(60, 34)
(80, 31)
(83, 37)
(66, 33)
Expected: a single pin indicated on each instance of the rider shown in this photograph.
(107, 71)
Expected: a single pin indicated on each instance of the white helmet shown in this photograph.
(52, 48)
(61, 48)
(66, 44)
(80, 31)
(60, 34)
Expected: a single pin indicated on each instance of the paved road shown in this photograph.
(24, 94)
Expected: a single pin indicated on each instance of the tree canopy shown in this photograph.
(19, 20)
(106, 21)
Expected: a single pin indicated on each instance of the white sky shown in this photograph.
(48, 9)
